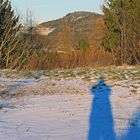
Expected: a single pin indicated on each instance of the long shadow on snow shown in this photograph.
(101, 118)
(133, 132)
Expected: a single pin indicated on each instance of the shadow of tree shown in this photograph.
(101, 119)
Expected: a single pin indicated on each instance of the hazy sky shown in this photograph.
(44, 10)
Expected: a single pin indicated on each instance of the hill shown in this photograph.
(79, 22)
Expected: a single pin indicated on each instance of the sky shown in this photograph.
(46, 10)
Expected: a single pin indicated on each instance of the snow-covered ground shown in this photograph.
(62, 106)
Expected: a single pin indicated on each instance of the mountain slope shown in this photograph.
(79, 22)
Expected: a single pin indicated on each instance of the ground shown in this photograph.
(59, 104)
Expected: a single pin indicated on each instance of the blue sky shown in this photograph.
(45, 10)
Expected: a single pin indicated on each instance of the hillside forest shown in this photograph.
(79, 39)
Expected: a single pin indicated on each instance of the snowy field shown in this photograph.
(70, 104)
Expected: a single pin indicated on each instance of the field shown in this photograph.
(61, 104)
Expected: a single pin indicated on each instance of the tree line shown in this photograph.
(122, 30)
(116, 41)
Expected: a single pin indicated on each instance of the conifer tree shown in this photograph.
(122, 22)
(9, 31)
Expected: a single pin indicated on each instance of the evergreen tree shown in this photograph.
(83, 44)
(122, 32)
(9, 31)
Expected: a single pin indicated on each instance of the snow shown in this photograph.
(78, 18)
(69, 109)
(46, 117)
(44, 30)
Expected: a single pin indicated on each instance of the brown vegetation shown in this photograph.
(55, 60)
(114, 39)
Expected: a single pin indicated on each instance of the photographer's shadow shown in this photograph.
(101, 119)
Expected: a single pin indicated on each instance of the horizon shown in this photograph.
(49, 10)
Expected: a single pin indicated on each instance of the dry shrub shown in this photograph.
(100, 57)
(33, 63)
(54, 60)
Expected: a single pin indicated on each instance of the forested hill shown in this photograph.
(80, 24)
